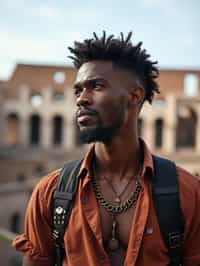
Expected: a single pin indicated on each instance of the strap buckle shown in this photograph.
(175, 240)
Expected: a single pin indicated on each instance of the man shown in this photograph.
(114, 79)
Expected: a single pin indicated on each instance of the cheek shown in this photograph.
(109, 110)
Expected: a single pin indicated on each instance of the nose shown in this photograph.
(84, 98)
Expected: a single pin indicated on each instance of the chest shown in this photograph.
(122, 221)
(123, 225)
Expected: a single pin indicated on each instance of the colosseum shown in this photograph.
(39, 134)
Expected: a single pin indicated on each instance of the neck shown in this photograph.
(120, 159)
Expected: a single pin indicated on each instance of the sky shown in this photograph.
(39, 32)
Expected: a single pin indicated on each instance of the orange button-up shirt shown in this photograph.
(83, 237)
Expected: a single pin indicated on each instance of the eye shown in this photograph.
(98, 85)
(77, 91)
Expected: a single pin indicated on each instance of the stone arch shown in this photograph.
(15, 222)
(57, 129)
(35, 129)
(186, 127)
(191, 81)
(21, 177)
(158, 136)
(12, 125)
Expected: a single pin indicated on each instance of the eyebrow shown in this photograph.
(90, 82)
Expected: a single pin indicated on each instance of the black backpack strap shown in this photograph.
(63, 199)
(167, 204)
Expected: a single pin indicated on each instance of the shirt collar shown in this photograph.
(147, 160)
(85, 170)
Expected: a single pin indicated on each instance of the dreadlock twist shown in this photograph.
(122, 53)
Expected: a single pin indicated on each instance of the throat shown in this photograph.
(116, 165)
(118, 158)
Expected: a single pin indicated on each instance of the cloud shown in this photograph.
(41, 31)
(12, 4)
(6, 69)
(170, 8)
(159, 3)
(17, 47)
(46, 12)
(13, 44)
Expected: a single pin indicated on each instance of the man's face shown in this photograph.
(101, 101)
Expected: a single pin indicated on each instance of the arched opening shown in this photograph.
(36, 99)
(12, 129)
(59, 77)
(35, 127)
(191, 85)
(57, 130)
(21, 177)
(15, 223)
(58, 96)
(39, 170)
(186, 128)
(158, 133)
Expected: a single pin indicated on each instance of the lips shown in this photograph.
(84, 113)
(85, 117)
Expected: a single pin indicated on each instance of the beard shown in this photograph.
(101, 133)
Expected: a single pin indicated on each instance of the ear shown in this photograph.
(136, 96)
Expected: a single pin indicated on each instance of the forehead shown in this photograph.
(95, 70)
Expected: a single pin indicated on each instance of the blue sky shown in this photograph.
(40, 31)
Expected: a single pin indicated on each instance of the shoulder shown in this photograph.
(43, 191)
(188, 183)
(41, 197)
(189, 189)
(47, 183)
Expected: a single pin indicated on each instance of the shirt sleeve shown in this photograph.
(36, 242)
(191, 252)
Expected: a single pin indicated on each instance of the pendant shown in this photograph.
(113, 243)
(117, 200)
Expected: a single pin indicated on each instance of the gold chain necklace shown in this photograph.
(118, 195)
(115, 209)
(122, 207)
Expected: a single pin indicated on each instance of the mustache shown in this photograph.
(86, 111)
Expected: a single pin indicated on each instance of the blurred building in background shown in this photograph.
(38, 132)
